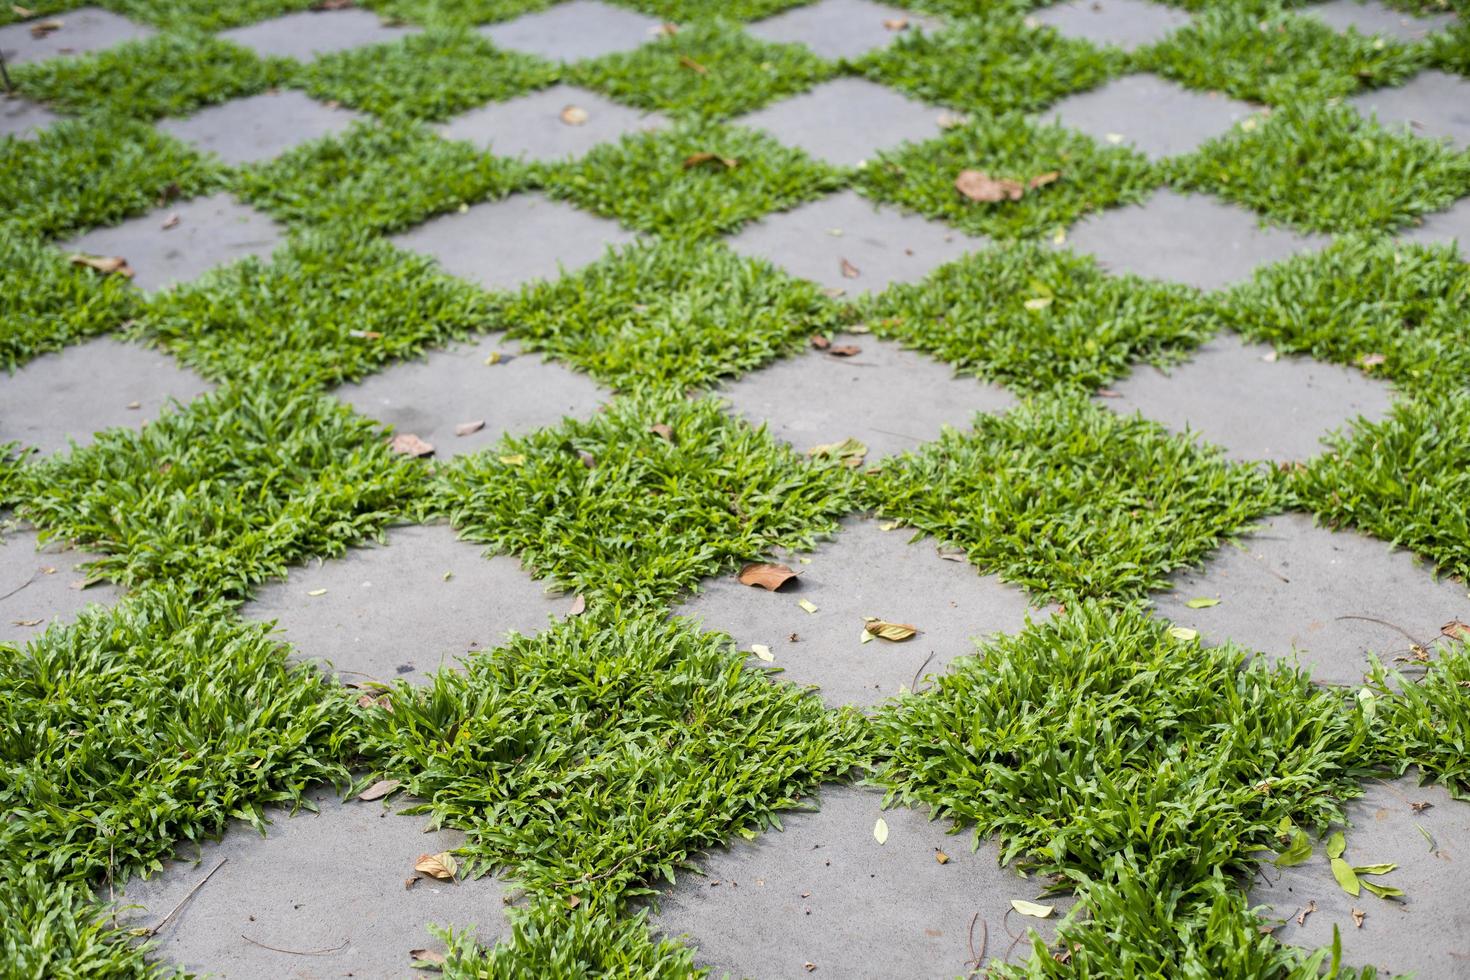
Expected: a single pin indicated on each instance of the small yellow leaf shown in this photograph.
(1037, 304)
(762, 651)
(1032, 909)
(807, 605)
(317, 592)
(880, 831)
(866, 636)
(940, 856)
(516, 459)
(1183, 633)
(892, 632)
(574, 115)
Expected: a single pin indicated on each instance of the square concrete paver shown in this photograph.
(1194, 239)
(1433, 104)
(21, 118)
(848, 244)
(1157, 117)
(1376, 18)
(888, 398)
(259, 127)
(1255, 404)
(866, 571)
(847, 120)
(1330, 597)
(538, 126)
(309, 34)
(836, 29)
(326, 887)
(823, 897)
(209, 231)
(406, 608)
(505, 244)
(73, 393)
(516, 395)
(574, 30)
(79, 31)
(1426, 932)
(1444, 227)
(39, 587)
(1125, 24)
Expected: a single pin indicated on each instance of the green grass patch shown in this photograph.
(654, 515)
(166, 75)
(378, 177)
(1360, 300)
(1450, 49)
(670, 316)
(993, 64)
(50, 303)
(1426, 723)
(644, 182)
(432, 75)
(1071, 500)
(1035, 318)
(12, 473)
(1326, 168)
(685, 11)
(921, 176)
(1282, 59)
(224, 493)
(59, 929)
(710, 69)
(326, 308)
(461, 13)
(205, 15)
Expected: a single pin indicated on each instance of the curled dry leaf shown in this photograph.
(1358, 916)
(408, 444)
(697, 159)
(469, 428)
(664, 432)
(766, 575)
(845, 350)
(979, 186)
(573, 115)
(25, 622)
(849, 271)
(1456, 630)
(892, 632)
(105, 264)
(42, 28)
(1041, 180)
(172, 221)
(441, 865)
(1308, 909)
(820, 342)
(1370, 361)
(425, 955)
(379, 790)
(896, 23)
(687, 62)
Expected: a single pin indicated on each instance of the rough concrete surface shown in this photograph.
(21, 118)
(1376, 18)
(1153, 115)
(574, 30)
(1327, 598)
(405, 608)
(81, 31)
(865, 571)
(39, 587)
(259, 127)
(308, 34)
(836, 29)
(847, 120)
(534, 126)
(1432, 104)
(825, 892)
(1125, 24)
(71, 394)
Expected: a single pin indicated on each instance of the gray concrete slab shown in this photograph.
(505, 244)
(540, 126)
(824, 897)
(1194, 239)
(574, 30)
(39, 586)
(1155, 116)
(1126, 24)
(19, 117)
(851, 245)
(890, 399)
(1427, 931)
(71, 394)
(326, 889)
(1433, 104)
(836, 29)
(72, 32)
(183, 240)
(1329, 598)
(1376, 18)
(259, 127)
(455, 386)
(847, 120)
(1444, 227)
(864, 571)
(308, 34)
(1255, 404)
(406, 608)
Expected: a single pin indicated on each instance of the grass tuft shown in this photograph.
(50, 303)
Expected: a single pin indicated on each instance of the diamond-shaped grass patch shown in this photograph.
(1125, 24)
(258, 127)
(309, 34)
(846, 120)
(574, 30)
(1068, 499)
(1156, 117)
(81, 31)
(556, 123)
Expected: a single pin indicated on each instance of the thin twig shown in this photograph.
(175, 910)
(294, 952)
(34, 575)
(914, 684)
(1383, 622)
(977, 959)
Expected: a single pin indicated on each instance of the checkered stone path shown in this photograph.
(1194, 239)
(1444, 227)
(1255, 404)
(836, 29)
(865, 572)
(489, 381)
(183, 240)
(574, 30)
(21, 118)
(852, 245)
(308, 34)
(824, 896)
(330, 885)
(67, 396)
(260, 127)
(40, 585)
(541, 126)
(1327, 598)
(1151, 114)
(1434, 104)
(78, 31)
(1126, 24)
(1426, 835)
(888, 398)
(1374, 18)
(847, 120)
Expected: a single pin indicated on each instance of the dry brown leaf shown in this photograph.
(893, 632)
(574, 115)
(768, 576)
(896, 23)
(579, 606)
(1456, 630)
(379, 790)
(1358, 916)
(1041, 180)
(845, 350)
(172, 221)
(940, 856)
(1301, 917)
(408, 883)
(692, 65)
(1372, 360)
(697, 159)
(573, 901)
(25, 622)
(664, 432)
(820, 342)
(105, 264)
(849, 271)
(425, 955)
(381, 701)
(409, 444)
(1108, 393)
(979, 186)
(469, 428)
(44, 27)
(441, 865)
